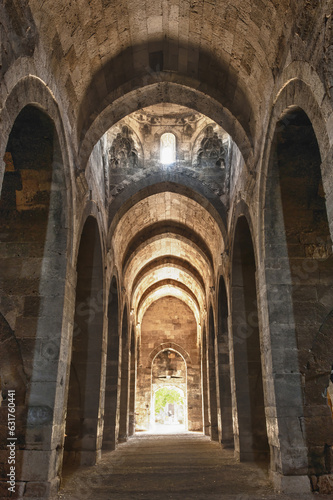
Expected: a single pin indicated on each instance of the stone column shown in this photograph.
(282, 383)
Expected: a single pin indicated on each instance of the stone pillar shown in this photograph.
(212, 370)
(45, 427)
(205, 395)
(112, 370)
(282, 384)
(326, 171)
(131, 421)
(223, 363)
(194, 398)
(143, 398)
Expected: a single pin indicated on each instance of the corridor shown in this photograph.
(166, 249)
(178, 467)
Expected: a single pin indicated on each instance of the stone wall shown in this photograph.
(131, 149)
(169, 324)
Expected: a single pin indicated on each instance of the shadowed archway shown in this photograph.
(250, 430)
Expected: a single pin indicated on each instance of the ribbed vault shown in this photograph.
(167, 245)
(171, 207)
(168, 291)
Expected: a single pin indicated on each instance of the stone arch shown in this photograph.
(84, 391)
(227, 437)
(298, 93)
(35, 201)
(212, 371)
(158, 183)
(307, 93)
(247, 357)
(305, 72)
(183, 281)
(116, 280)
(175, 94)
(179, 287)
(165, 362)
(147, 87)
(297, 236)
(125, 375)
(90, 209)
(167, 229)
(177, 262)
(163, 290)
(31, 90)
(159, 316)
(241, 209)
(295, 94)
(168, 345)
(111, 404)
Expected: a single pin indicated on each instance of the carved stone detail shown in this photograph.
(123, 153)
(211, 153)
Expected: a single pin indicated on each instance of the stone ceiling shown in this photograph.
(167, 245)
(166, 110)
(103, 50)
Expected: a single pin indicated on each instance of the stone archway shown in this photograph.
(83, 421)
(169, 374)
(34, 232)
(111, 426)
(247, 385)
(164, 317)
(212, 371)
(125, 377)
(227, 436)
(296, 216)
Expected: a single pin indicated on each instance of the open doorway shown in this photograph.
(169, 406)
(165, 363)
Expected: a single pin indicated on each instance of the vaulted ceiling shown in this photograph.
(219, 60)
(167, 245)
(101, 50)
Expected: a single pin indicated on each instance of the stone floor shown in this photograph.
(168, 429)
(178, 467)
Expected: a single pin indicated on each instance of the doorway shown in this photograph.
(169, 407)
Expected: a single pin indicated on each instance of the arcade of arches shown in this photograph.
(166, 222)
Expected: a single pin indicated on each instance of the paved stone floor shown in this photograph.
(178, 467)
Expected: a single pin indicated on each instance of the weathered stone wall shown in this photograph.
(33, 268)
(311, 265)
(169, 323)
(83, 421)
(131, 149)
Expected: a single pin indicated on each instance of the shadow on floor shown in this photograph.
(170, 466)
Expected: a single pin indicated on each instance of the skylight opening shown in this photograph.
(168, 149)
